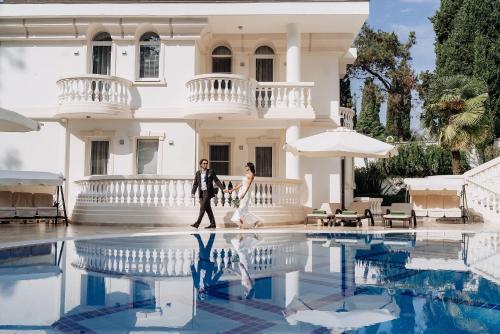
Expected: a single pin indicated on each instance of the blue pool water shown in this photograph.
(254, 283)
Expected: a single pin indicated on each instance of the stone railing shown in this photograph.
(483, 185)
(175, 191)
(165, 261)
(284, 95)
(348, 115)
(91, 93)
(219, 95)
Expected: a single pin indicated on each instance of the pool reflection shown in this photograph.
(246, 282)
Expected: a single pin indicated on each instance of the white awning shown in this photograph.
(11, 121)
(435, 183)
(341, 142)
(27, 178)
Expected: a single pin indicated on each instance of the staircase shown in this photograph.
(483, 191)
(483, 255)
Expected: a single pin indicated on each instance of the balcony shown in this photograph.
(93, 96)
(216, 96)
(166, 200)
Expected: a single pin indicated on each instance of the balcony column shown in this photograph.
(293, 52)
(292, 161)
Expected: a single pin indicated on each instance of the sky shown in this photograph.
(403, 16)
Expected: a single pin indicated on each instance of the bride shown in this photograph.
(242, 216)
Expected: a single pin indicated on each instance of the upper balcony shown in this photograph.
(239, 97)
(93, 96)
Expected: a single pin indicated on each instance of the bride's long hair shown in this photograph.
(251, 166)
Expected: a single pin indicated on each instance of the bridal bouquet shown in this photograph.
(235, 203)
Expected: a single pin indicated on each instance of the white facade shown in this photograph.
(49, 52)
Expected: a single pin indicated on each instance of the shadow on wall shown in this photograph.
(12, 59)
(10, 160)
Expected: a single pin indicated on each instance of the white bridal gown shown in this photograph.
(242, 211)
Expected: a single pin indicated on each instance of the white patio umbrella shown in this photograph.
(11, 121)
(341, 142)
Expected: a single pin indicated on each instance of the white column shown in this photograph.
(292, 52)
(292, 161)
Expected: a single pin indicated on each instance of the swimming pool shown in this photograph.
(254, 283)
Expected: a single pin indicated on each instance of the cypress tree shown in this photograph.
(345, 92)
(369, 120)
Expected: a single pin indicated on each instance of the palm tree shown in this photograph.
(455, 112)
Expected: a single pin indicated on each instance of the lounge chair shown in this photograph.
(435, 206)
(44, 204)
(326, 214)
(400, 212)
(355, 212)
(23, 203)
(6, 208)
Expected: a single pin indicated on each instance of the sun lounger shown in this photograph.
(356, 212)
(44, 204)
(6, 208)
(401, 212)
(23, 202)
(325, 213)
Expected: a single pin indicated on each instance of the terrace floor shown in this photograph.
(15, 234)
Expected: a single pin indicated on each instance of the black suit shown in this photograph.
(206, 195)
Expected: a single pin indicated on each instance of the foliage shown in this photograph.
(454, 111)
(345, 93)
(382, 57)
(369, 120)
(468, 43)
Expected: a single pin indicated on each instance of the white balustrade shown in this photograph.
(242, 94)
(483, 186)
(93, 89)
(165, 191)
(276, 95)
(348, 115)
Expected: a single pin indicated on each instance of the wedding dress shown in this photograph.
(242, 212)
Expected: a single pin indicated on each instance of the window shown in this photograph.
(264, 64)
(147, 156)
(144, 295)
(99, 157)
(101, 54)
(96, 290)
(221, 60)
(149, 53)
(264, 161)
(219, 158)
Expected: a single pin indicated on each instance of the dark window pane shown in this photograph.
(264, 288)
(264, 70)
(221, 65)
(99, 157)
(264, 50)
(95, 290)
(150, 61)
(221, 51)
(102, 37)
(144, 293)
(219, 159)
(150, 37)
(264, 161)
(101, 59)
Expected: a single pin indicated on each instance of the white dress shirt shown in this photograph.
(203, 182)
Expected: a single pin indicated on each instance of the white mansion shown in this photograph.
(132, 94)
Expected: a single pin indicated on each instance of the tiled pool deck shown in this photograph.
(15, 234)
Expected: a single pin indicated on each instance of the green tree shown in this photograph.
(345, 92)
(468, 43)
(383, 57)
(454, 111)
(369, 120)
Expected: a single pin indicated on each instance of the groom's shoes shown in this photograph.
(211, 226)
(195, 225)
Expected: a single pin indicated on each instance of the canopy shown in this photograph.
(11, 121)
(25, 178)
(341, 142)
(436, 183)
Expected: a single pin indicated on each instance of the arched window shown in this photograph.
(264, 63)
(101, 53)
(221, 60)
(149, 50)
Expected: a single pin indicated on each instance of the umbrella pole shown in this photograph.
(342, 183)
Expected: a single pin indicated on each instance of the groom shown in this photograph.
(204, 180)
